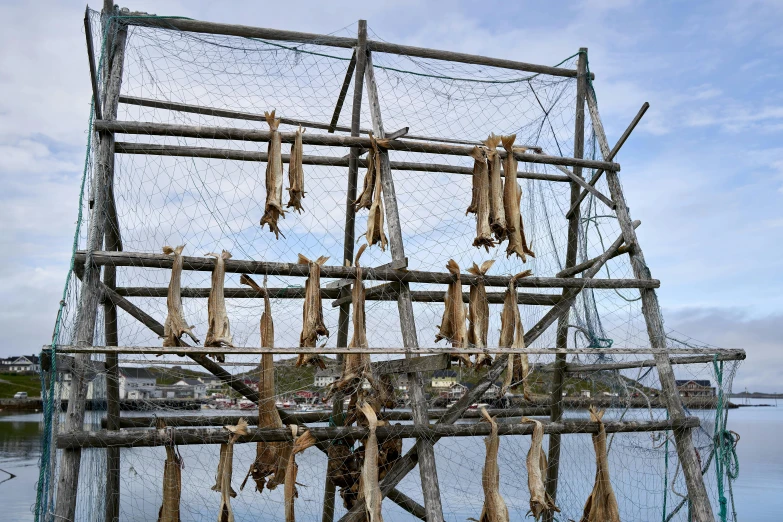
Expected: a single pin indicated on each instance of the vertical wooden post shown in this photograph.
(360, 54)
(426, 452)
(570, 261)
(701, 508)
(87, 309)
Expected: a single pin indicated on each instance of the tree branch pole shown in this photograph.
(686, 452)
(428, 471)
(558, 376)
(87, 308)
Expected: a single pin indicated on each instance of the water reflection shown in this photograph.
(20, 447)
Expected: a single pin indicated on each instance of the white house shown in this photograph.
(137, 383)
(196, 388)
(96, 388)
(444, 379)
(211, 381)
(324, 378)
(21, 364)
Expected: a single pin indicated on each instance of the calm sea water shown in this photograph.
(636, 476)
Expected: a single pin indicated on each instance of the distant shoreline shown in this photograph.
(756, 395)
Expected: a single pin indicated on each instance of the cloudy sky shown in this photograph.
(704, 171)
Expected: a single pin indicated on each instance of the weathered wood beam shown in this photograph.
(738, 355)
(332, 140)
(198, 26)
(148, 421)
(333, 161)
(207, 264)
(581, 267)
(187, 436)
(579, 180)
(388, 292)
(96, 98)
(610, 157)
(343, 93)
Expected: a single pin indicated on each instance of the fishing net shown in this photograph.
(214, 204)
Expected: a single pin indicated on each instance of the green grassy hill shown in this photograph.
(10, 383)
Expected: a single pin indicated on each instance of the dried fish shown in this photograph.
(375, 234)
(512, 198)
(452, 326)
(219, 331)
(494, 509)
(175, 326)
(497, 216)
(313, 325)
(296, 191)
(478, 313)
(273, 209)
(271, 457)
(225, 470)
(601, 505)
(481, 189)
(373, 166)
(540, 501)
(301, 443)
(370, 491)
(512, 335)
(172, 479)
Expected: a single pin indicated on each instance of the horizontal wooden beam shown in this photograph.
(184, 436)
(333, 140)
(736, 355)
(432, 296)
(199, 26)
(207, 264)
(148, 421)
(185, 151)
(437, 350)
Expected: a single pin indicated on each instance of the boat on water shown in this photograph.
(246, 404)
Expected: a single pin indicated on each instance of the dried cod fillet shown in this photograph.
(375, 234)
(494, 509)
(512, 198)
(301, 443)
(175, 326)
(540, 501)
(273, 208)
(512, 335)
(481, 190)
(601, 505)
(271, 457)
(296, 191)
(373, 166)
(452, 326)
(225, 470)
(497, 216)
(313, 325)
(172, 480)
(219, 331)
(370, 491)
(478, 313)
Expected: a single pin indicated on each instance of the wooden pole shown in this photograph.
(427, 468)
(343, 93)
(701, 508)
(70, 460)
(96, 98)
(570, 260)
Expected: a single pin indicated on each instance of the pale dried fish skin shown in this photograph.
(478, 314)
(225, 470)
(219, 331)
(366, 196)
(175, 325)
(369, 490)
(313, 325)
(601, 505)
(452, 327)
(301, 443)
(273, 207)
(512, 199)
(540, 501)
(497, 215)
(494, 509)
(296, 191)
(481, 189)
(375, 234)
(172, 482)
(512, 335)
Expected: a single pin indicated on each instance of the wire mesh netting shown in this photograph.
(214, 204)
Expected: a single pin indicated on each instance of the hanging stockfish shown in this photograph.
(373, 167)
(172, 478)
(494, 509)
(369, 490)
(452, 326)
(375, 234)
(481, 191)
(273, 208)
(601, 505)
(512, 199)
(219, 331)
(497, 216)
(344, 469)
(271, 457)
(296, 190)
(313, 325)
(540, 501)
(175, 326)
(301, 443)
(478, 313)
(356, 367)
(512, 335)
(225, 470)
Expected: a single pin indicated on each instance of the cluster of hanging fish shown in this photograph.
(175, 326)
(497, 206)
(273, 206)
(371, 195)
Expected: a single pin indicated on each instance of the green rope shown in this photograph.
(726, 460)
